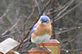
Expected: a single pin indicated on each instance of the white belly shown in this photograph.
(41, 39)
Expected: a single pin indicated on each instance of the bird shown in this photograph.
(42, 30)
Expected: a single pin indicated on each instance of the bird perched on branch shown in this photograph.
(42, 30)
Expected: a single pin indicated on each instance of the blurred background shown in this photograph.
(18, 16)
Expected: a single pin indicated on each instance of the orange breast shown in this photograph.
(43, 29)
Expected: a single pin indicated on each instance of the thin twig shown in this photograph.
(25, 36)
(69, 50)
(37, 4)
(70, 29)
(7, 10)
(61, 8)
(5, 13)
(45, 7)
(9, 30)
(71, 1)
(66, 12)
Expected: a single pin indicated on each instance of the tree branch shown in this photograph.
(69, 29)
(26, 36)
(7, 10)
(9, 30)
(66, 12)
(45, 7)
(37, 4)
(71, 1)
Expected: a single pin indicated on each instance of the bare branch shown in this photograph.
(7, 10)
(69, 29)
(45, 7)
(66, 12)
(25, 36)
(9, 30)
(71, 1)
(37, 4)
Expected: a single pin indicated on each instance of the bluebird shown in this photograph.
(42, 30)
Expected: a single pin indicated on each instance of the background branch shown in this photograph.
(66, 12)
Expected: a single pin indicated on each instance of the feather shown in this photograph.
(42, 30)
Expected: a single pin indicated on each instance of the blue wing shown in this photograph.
(34, 28)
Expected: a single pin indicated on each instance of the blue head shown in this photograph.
(44, 19)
